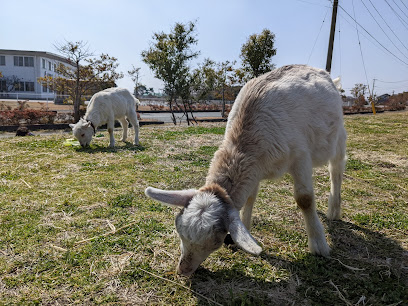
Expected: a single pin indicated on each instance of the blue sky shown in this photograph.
(124, 28)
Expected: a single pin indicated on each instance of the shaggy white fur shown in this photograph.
(286, 121)
(105, 107)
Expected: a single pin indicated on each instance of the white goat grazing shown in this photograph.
(106, 106)
(286, 121)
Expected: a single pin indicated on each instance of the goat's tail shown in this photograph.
(337, 83)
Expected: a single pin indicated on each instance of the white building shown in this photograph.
(21, 69)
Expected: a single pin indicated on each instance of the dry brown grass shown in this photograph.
(76, 227)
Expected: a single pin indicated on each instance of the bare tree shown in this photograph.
(134, 74)
(85, 74)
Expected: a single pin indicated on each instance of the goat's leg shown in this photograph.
(246, 212)
(336, 169)
(124, 124)
(133, 120)
(111, 125)
(304, 196)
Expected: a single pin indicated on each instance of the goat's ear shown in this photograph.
(241, 235)
(174, 198)
(71, 125)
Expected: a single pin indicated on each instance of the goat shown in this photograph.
(285, 121)
(106, 106)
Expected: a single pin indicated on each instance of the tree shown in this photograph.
(227, 78)
(134, 74)
(141, 90)
(358, 92)
(256, 55)
(204, 80)
(10, 83)
(214, 81)
(168, 57)
(85, 74)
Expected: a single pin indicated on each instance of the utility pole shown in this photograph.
(331, 39)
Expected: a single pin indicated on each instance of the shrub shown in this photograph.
(396, 103)
(29, 116)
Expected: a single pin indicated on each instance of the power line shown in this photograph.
(313, 3)
(361, 33)
(404, 4)
(317, 36)
(400, 8)
(368, 38)
(383, 29)
(361, 50)
(339, 47)
(388, 25)
(373, 37)
(403, 81)
(399, 17)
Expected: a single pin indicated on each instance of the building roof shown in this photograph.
(35, 53)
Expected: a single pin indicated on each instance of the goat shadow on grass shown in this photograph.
(123, 146)
(379, 264)
(235, 287)
(365, 267)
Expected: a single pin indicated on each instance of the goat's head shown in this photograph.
(83, 131)
(203, 224)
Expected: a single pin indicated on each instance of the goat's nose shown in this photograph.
(184, 271)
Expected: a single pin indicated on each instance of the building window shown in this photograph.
(29, 61)
(49, 66)
(21, 61)
(29, 86)
(43, 63)
(24, 86)
(2, 60)
(44, 88)
(3, 86)
(19, 86)
(18, 61)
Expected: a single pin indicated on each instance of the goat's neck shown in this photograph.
(236, 171)
(94, 118)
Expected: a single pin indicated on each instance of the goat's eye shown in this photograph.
(82, 135)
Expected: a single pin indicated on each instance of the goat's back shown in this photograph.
(116, 101)
(291, 112)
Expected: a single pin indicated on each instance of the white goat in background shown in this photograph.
(286, 121)
(106, 106)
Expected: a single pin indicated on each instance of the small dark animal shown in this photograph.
(23, 131)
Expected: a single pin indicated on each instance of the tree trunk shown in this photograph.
(77, 103)
(191, 112)
(77, 99)
(186, 112)
(173, 118)
(223, 102)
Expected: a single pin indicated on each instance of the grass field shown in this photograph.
(76, 227)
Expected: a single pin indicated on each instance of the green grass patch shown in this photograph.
(197, 130)
(76, 227)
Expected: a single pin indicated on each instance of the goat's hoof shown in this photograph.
(333, 215)
(319, 248)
